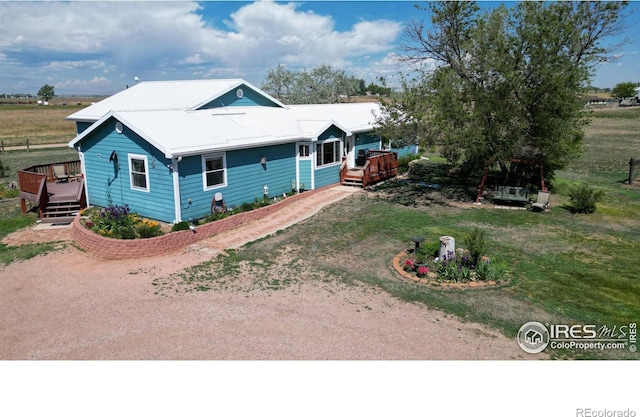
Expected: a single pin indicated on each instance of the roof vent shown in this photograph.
(239, 93)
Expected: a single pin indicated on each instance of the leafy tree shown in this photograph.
(47, 92)
(322, 84)
(623, 90)
(508, 82)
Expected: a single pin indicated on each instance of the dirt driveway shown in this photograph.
(72, 305)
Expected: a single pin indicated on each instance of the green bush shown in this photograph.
(475, 245)
(403, 163)
(180, 226)
(583, 198)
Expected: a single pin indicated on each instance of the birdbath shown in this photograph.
(417, 241)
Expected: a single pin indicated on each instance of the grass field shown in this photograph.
(564, 268)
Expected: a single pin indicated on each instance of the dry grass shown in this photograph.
(39, 125)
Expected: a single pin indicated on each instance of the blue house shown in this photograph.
(167, 148)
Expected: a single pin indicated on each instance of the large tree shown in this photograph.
(322, 84)
(624, 90)
(47, 92)
(508, 82)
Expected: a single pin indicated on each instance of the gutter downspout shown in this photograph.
(176, 189)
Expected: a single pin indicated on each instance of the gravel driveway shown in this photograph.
(72, 305)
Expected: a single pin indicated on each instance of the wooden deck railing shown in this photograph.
(379, 166)
(33, 182)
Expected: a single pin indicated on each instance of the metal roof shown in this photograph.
(172, 125)
(163, 95)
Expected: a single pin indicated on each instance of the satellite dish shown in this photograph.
(136, 79)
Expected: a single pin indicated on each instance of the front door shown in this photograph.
(349, 145)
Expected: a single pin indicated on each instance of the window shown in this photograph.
(327, 153)
(139, 173)
(214, 171)
(303, 150)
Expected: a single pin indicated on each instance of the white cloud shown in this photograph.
(61, 40)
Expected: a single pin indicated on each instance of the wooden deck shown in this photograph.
(378, 166)
(58, 197)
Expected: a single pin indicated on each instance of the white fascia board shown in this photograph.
(233, 86)
(125, 122)
(227, 148)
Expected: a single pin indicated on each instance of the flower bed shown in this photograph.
(108, 248)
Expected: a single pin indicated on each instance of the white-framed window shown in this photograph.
(327, 152)
(303, 150)
(214, 171)
(139, 172)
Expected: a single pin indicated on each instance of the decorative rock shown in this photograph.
(447, 244)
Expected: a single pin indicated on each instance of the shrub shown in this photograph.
(148, 228)
(180, 226)
(584, 198)
(403, 163)
(476, 245)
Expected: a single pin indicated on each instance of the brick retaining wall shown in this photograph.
(109, 248)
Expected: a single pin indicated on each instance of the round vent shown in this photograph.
(239, 93)
(119, 127)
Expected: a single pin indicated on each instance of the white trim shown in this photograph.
(340, 151)
(146, 172)
(203, 159)
(176, 190)
(84, 176)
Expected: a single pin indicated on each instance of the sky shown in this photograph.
(100, 47)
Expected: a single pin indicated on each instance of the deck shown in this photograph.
(377, 166)
(59, 196)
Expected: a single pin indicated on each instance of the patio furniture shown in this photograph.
(542, 202)
(60, 174)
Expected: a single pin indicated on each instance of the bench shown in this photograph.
(512, 194)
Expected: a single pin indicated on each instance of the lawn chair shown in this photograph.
(60, 174)
(542, 203)
(218, 205)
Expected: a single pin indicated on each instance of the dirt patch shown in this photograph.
(72, 305)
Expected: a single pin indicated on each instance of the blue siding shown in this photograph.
(327, 174)
(305, 167)
(82, 126)
(106, 184)
(406, 150)
(246, 178)
(249, 98)
(367, 141)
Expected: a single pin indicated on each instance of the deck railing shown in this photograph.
(378, 166)
(33, 182)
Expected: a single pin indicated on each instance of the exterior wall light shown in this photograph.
(265, 190)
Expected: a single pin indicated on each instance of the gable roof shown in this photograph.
(170, 116)
(165, 95)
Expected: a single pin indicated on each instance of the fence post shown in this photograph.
(27, 144)
(632, 167)
(2, 146)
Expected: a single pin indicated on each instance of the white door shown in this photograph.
(350, 144)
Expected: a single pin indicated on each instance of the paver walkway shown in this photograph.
(286, 217)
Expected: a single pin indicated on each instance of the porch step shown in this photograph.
(354, 181)
(57, 211)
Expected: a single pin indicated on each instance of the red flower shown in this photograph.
(423, 270)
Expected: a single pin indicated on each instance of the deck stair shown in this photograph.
(61, 212)
(353, 177)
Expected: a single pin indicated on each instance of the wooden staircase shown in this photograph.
(353, 177)
(61, 212)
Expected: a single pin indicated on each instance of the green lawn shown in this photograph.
(565, 268)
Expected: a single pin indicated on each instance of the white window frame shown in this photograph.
(309, 150)
(338, 153)
(145, 160)
(204, 158)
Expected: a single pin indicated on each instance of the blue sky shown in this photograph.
(98, 47)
